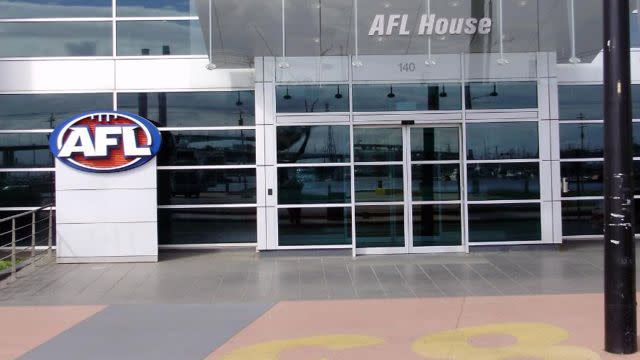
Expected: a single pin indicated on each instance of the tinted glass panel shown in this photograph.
(176, 187)
(314, 226)
(493, 141)
(26, 188)
(207, 226)
(48, 39)
(13, 9)
(406, 97)
(435, 182)
(581, 102)
(505, 222)
(312, 98)
(436, 225)
(434, 144)
(166, 37)
(314, 185)
(313, 144)
(582, 217)
(581, 178)
(377, 144)
(379, 226)
(156, 8)
(636, 138)
(47, 110)
(378, 183)
(503, 181)
(23, 228)
(582, 140)
(224, 147)
(501, 95)
(25, 150)
(173, 109)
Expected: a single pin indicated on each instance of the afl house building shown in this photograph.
(380, 126)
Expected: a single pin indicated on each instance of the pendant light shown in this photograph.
(502, 60)
(443, 93)
(284, 64)
(356, 61)
(391, 95)
(286, 95)
(239, 102)
(211, 65)
(338, 95)
(572, 33)
(494, 92)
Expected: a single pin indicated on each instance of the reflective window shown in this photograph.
(584, 217)
(51, 39)
(504, 222)
(435, 182)
(436, 225)
(494, 141)
(181, 187)
(45, 111)
(314, 185)
(222, 147)
(406, 97)
(439, 143)
(377, 144)
(581, 102)
(13, 9)
(156, 8)
(378, 183)
(207, 226)
(501, 95)
(165, 37)
(26, 188)
(379, 226)
(174, 109)
(636, 139)
(582, 140)
(314, 226)
(313, 144)
(581, 178)
(29, 150)
(312, 98)
(23, 228)
(503, 181)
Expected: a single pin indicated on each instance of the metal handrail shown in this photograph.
(32, 236)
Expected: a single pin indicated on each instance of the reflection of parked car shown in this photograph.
(18, 194)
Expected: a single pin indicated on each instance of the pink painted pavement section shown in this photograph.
(400, 322)
(25, 328)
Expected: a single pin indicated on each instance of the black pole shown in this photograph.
(619, 259)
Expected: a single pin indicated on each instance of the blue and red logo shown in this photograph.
(105, 141)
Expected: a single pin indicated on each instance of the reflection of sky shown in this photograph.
(406, 97)
(502, 140)
(54, 8)
(183, 37)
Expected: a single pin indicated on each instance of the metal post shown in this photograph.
(13, 249)
(50, 234)
(33, 238)
(619, 259)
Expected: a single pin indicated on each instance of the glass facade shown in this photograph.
(391, 156)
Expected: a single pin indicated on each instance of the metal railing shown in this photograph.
(30, 238)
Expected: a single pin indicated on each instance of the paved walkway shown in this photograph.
(246, 276)
(234, 305)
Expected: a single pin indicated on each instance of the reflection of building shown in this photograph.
(434, 144)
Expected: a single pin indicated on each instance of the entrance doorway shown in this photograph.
(408, 184)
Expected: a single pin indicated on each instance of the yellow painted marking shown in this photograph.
(272, 349)
(536, 340)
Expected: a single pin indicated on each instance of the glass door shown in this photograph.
(407, 189)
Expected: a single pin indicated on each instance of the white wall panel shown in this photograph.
(106, 206)
(68, 178)
(486, 66)
(314, 69)
(159, 74)
(57, 75)
(407, 68)
(107, 240)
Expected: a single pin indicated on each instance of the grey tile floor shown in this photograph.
(242, 275)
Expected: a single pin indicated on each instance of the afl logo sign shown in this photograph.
(105, 141)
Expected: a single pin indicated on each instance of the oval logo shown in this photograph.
(105, 141)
